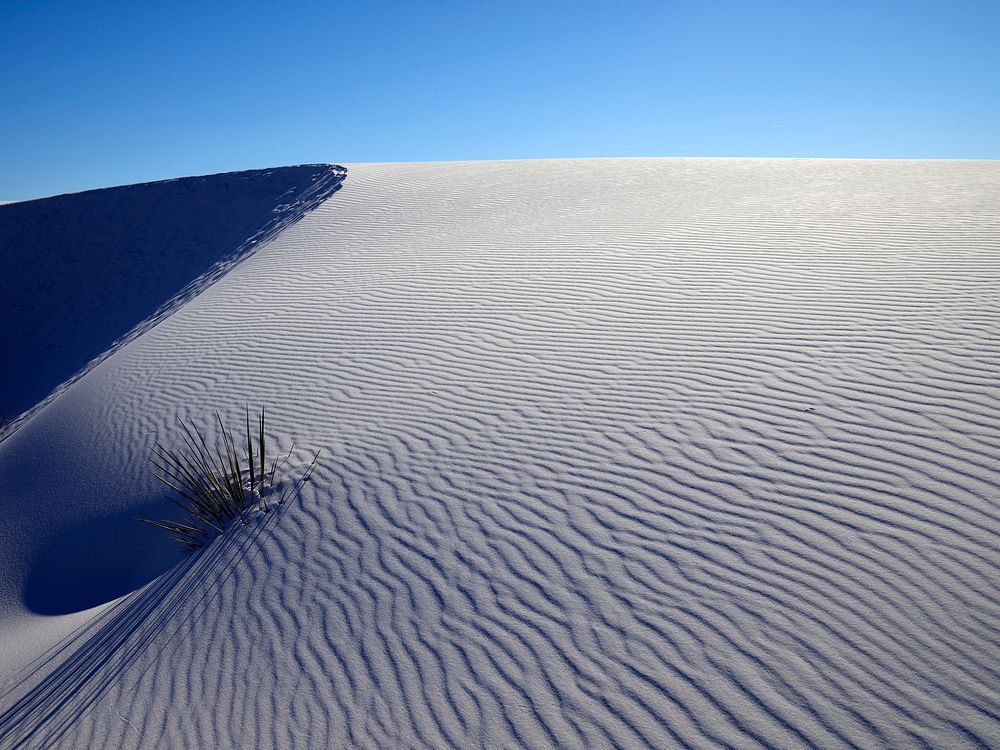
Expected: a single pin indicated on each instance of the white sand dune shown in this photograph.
(616, 453)
(87, 272)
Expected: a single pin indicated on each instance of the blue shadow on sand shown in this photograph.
(98, 561)
(85, 273)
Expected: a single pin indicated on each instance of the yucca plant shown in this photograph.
(214, 485)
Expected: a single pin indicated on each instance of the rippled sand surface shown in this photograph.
(616, 453)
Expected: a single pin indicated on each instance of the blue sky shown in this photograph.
(104, 93)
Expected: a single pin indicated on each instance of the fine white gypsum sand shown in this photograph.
(616, 453)
(87, 272)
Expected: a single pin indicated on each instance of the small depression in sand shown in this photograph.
(99, 561)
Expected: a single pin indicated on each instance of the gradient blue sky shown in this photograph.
(104, 93)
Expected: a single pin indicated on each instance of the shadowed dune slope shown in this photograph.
(617, 453)
(81, 271)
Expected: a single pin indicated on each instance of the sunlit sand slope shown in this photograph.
(617, 453)
(82, 273)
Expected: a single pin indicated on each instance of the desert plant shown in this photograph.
(215, 485)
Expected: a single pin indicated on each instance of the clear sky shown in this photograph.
(104, 93)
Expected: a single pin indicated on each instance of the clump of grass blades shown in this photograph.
(214, 485)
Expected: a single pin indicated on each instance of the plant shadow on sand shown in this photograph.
(76, 672)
